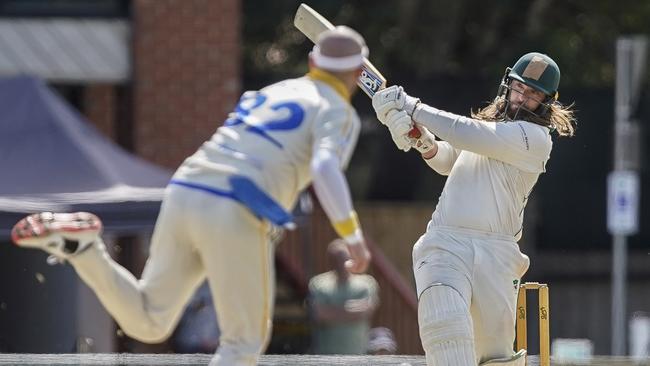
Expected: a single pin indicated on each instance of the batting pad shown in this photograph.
(446, 327)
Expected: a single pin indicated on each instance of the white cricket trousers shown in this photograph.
(486, 270)
(197, 235)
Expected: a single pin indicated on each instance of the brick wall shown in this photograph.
(99, 103)
(186, 74)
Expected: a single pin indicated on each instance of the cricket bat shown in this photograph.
(311, 24)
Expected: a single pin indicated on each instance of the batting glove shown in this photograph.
(399, 124)
(425, 142)
(393, 97)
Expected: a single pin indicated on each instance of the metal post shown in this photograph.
(619, 295)
(623, 182)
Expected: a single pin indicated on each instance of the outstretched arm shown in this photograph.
(334, 195)
(519, 143)
(522, 144)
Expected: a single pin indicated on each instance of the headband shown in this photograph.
(338, 63)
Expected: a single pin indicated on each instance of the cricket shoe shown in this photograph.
(60, 234)
(518, 359)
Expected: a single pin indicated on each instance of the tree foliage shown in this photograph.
(421, 39)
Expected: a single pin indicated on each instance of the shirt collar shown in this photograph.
(331, 80)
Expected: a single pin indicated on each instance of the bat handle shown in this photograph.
(415, 133)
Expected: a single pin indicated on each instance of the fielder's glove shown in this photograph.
(393, 97)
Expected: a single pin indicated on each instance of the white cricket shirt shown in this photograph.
(492, 167)
(272, 135)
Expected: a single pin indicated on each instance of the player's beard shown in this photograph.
(512, 111)
(519, 112)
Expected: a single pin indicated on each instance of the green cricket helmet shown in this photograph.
(538, 71)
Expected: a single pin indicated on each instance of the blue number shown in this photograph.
(250, 101)
(244, 107)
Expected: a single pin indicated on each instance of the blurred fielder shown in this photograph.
(468, 265)
(221, 204)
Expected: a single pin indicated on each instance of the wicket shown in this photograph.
(544, 331)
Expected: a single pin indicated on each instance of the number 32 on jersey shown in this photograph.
(286, 116)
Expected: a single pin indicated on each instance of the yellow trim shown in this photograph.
(348, 226)
(331, 80)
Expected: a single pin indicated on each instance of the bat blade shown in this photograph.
(312, 24)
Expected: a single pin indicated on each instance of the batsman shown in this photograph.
(468, 265)
(221, 204)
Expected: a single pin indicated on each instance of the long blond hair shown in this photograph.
(558, 117)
